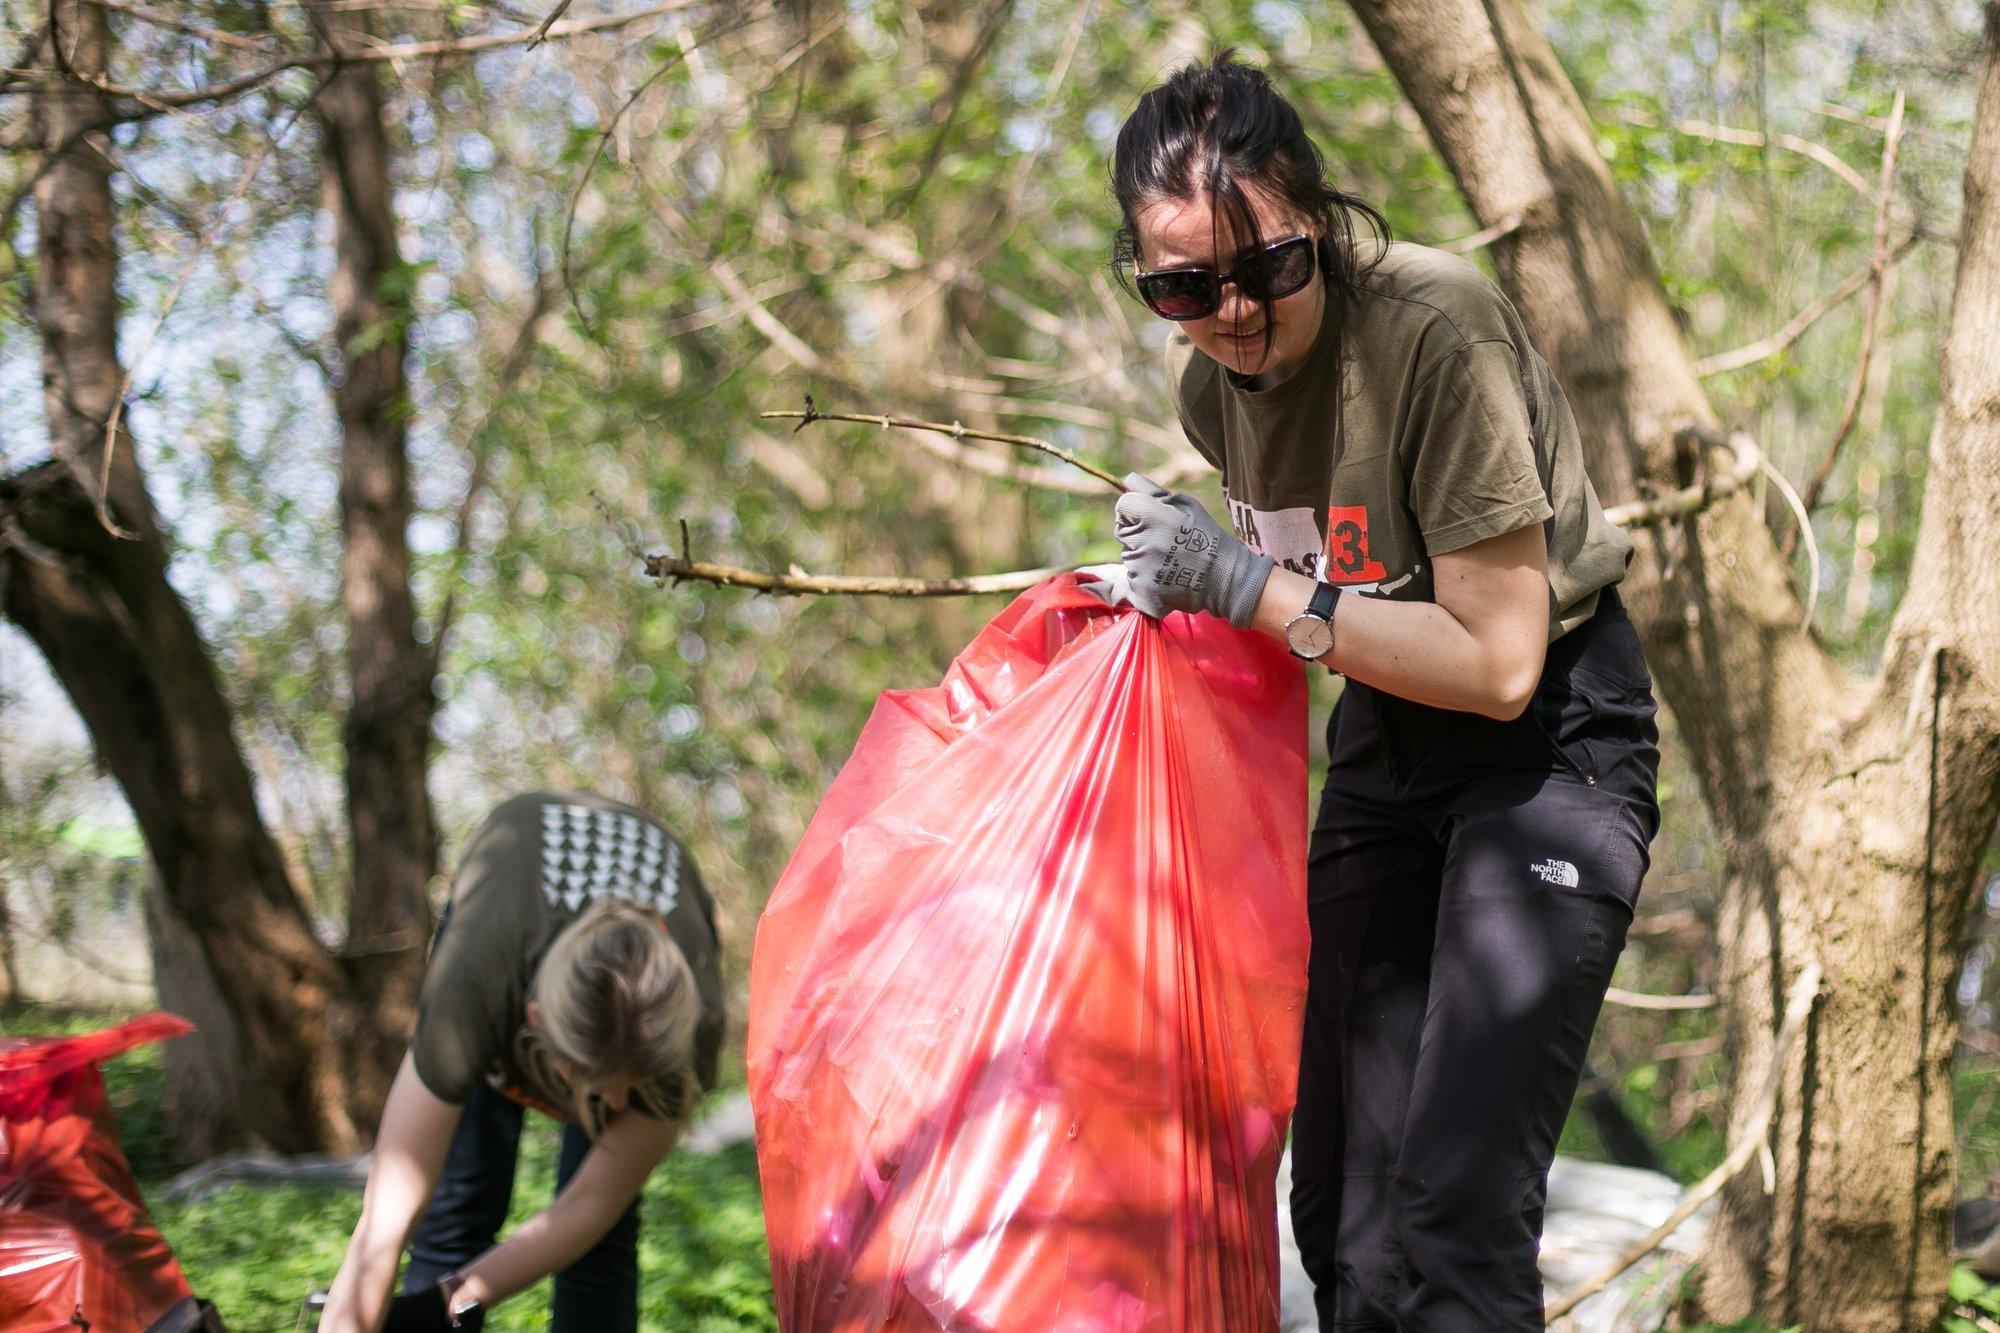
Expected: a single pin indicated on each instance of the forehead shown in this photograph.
(1195, 231)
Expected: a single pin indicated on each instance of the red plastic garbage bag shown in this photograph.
(1025, 1005)
(76, 1245)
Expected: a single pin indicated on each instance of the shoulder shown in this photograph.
(1421, 294)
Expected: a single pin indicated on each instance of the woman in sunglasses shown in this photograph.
(1407, 505)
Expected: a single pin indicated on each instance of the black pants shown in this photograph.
(1470, 884)
(600, 1291)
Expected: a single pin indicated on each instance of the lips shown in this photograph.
(1244, 337)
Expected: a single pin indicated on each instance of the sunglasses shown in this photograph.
(1195, 292)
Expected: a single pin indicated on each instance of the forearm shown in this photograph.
(390, 1206)
(416, 1130)
(549, 1241)
(606, 1181)
(1415, 650)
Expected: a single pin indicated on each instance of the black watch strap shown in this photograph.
(1324, 596)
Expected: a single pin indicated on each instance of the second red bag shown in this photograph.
(1025, 1005)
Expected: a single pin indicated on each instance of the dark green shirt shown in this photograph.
(1441, 426)
(533, 866)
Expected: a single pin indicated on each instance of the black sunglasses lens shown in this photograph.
(1180, 295)
(1278, 271)
(1288, 267)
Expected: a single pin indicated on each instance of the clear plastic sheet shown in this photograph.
(1025, 1005)
(76, 1245)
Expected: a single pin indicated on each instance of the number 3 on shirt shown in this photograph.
(1347, 546)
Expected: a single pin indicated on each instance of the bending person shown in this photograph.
(575, 971)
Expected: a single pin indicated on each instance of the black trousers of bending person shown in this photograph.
(1470, 884)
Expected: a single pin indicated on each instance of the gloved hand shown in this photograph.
(1177, 558)
(1107, 583)
(425, 1312)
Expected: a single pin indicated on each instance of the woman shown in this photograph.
(1409, 508)
(576, 972)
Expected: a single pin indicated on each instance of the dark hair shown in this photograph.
(1207, 129)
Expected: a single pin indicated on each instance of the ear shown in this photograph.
(534, 1016)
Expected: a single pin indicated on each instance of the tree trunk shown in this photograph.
(103, 612)
(1853, 809)
(390, 701)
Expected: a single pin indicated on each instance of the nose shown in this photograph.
(1237, 309)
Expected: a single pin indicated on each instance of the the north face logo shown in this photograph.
(1557, 872)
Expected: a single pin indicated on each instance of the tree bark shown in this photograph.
(1853, 808)
(115, 634)
(391, 699)
(103, 612)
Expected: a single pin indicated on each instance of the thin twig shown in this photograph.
(956, 430)
(1798, 1004)
(1805, 528)
(164, 99)
(1693, 499)
(203, 240)
(661, 568)
(1637, 1000)
(1871, 325)
(542, 29)
(1788, 333)
(1485, 236)
(1697, 129)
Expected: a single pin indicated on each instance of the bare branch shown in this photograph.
(1871, 324)
(1798, 1005)
(955, 430)
(1697, 129)
(542, 29)
(1790, 332)
(216, 35)
(166, 99)
(520, 351)
(1693, 499)
(1637, 1000)
(1486, 235)
(797, 582)
(203, 240)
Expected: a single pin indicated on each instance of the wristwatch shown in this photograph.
(1310, 633)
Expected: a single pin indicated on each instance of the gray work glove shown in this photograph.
(1177, 558)
(1107, 583)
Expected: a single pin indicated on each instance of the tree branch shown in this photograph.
(1871, 325)
(1636, 1000)
(956, 431)
(1819, 153)
(164, 99)
(1789, 332)
(1693, 499)
(1797, 1006)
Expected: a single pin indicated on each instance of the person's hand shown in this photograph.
(425, 1312)
(1177, 558)
(1107, 583)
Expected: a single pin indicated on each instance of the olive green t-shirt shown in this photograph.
(532, 867)
(1443, 427)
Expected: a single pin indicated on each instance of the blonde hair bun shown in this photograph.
(616, 995)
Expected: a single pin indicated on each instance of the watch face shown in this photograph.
(1309, 636)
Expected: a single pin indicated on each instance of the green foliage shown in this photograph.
(702, 1262)
(1974, 1300)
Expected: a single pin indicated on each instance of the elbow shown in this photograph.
(1513, 691)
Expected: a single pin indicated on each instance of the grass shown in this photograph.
(256, 1252)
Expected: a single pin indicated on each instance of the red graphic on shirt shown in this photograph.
(1347, 559)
